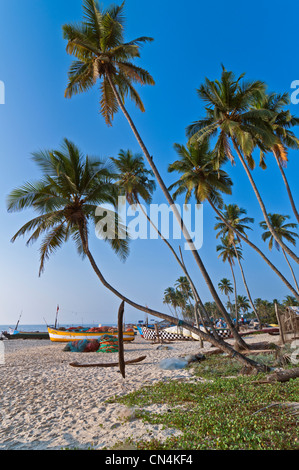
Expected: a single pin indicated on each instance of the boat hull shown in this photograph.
(27, 335)
(66, 336)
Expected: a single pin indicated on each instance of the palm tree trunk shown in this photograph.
(252, 245)
(218, 343)
(262, 206)
(235, 289)
(293, 274)
(286, 185)
(177, 215)
(246, 285)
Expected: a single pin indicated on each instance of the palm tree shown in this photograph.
(290, 301)
(183, 286)
(228, 253)
(282, 231)
(281, 123)
(132, 178)
(231, 118)
(243, 303)
(235, 216)
(72, 187)
(200, 178)
(67, 198)
(101, 54)
(198, 163)
(171, 299)
(226, 288)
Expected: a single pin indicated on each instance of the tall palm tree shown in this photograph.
(231, 118)
(133, 179)
(243, 303)
(171, 299)
(235, 216)
(228, 253)
(72, 187)
(281, 123)
(102, 54)
(200, 179)
(282, 230)
(226, 288)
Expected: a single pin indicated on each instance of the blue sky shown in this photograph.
(192, 40)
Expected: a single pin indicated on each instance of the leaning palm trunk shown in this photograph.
(252, 245)
(286, 185)
(246, 285)
(218, 343)
(262, 206)
(199, 307)
(173, 207)
(291, 269)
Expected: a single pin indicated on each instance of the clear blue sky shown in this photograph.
(192, 39)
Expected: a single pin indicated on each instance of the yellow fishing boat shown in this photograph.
(64, 336)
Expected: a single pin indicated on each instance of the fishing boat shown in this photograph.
(78, 334)
(14, 334)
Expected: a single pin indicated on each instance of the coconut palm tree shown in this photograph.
(200, 179)
(66, 199)
(170, 298)
(281, 123)
(183, 286)
(243, 303)
(101, 54)
(227, 253)
(282, 230)
(198, 163)
(235, 216)
(237, 125)
(133, 178)
(226, 288)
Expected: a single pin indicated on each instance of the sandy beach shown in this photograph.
(47, 404)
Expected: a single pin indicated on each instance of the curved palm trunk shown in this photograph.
(218, 343)
(286, 185)
(252, 245)
(183, 266)
(177, 215)
(262, 206)
(291, 269)
(246, 285)
(235, 289)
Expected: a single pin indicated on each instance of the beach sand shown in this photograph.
(47, 404)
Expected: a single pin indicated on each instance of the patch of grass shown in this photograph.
(220, 413)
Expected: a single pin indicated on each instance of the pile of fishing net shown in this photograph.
(108, 344)
(105, 343)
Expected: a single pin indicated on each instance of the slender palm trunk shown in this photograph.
(291, 269)
(262, 206)
(252, 245)
(236, 297)
(246, 285)
(286, 185)
(218, 343)
(177, 215)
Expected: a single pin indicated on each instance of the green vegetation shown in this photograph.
(222, 410)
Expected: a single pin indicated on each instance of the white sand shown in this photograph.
(47, 404)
